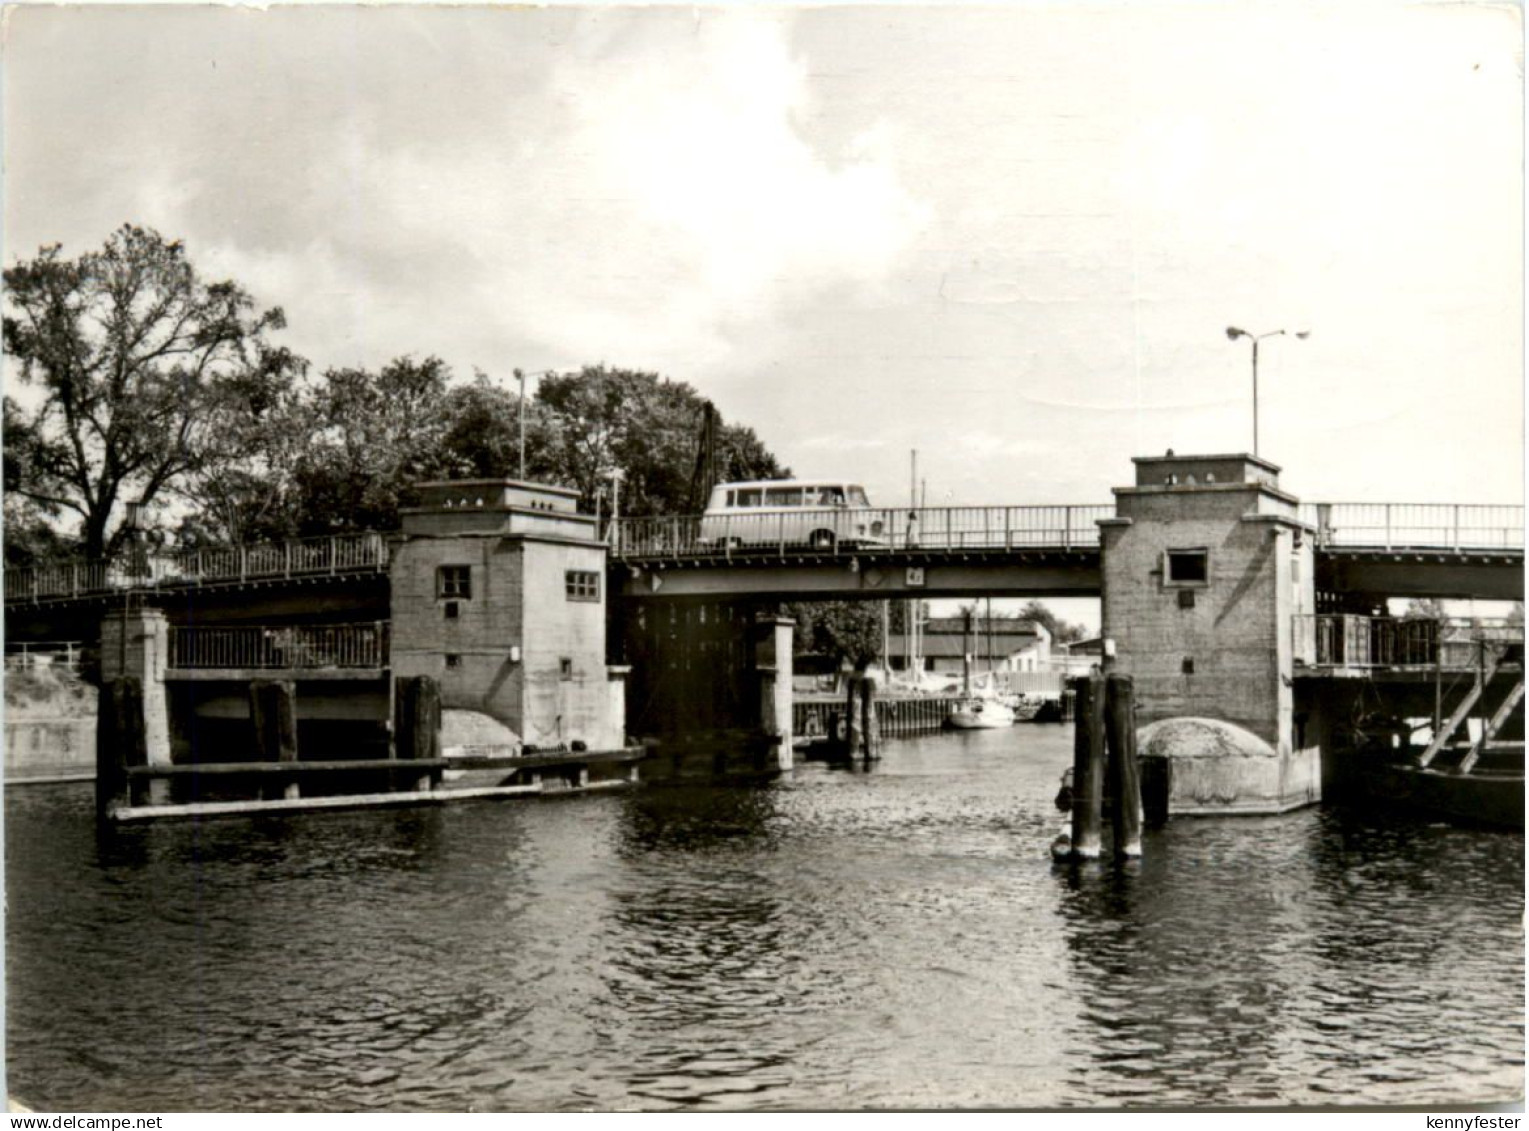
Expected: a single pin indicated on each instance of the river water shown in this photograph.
(834, 939)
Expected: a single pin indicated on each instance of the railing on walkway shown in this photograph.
(1390, 526)
(24, 655)
(1350, 641)
(363, 645)
(1444, 526)
(334, 554)
(852, 530)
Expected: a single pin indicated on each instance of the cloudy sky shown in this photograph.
(1011, 238)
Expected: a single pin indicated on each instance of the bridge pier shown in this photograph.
(710, 685)
(774, 668)
(135, 645)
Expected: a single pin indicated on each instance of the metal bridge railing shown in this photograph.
(1389, 526)
(25, 655)
(334, 554)
(1443, 526)
(363, 645)
(846, 530)
(1350, 641)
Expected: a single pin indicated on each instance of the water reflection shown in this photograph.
(703, 960)
(1183, 960)
(693, 818)
(1303, 959)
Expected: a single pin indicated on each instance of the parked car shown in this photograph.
(818, 514)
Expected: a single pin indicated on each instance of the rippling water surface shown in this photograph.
(835, 939)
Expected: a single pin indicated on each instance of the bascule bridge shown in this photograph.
(1256, 627)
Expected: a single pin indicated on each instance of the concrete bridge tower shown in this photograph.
(498, 593)
(1203, 569)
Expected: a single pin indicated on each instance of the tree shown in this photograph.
(1061, 631)
(375, 436)
(30, 531)
(128, 346)
(31, 537)
(243, 489)
(601, 419)
(1425, 608)
(843, 630)
(482, 435)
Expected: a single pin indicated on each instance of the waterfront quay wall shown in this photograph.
(50, 725)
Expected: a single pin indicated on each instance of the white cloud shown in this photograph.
(649, 206)
(899, 226)
(695, 150)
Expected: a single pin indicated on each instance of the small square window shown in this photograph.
(565, 668)
(454, 582)
(453, 660)
(1187, 567)
(452, 609)
(581, 585)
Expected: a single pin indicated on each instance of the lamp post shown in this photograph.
(130, 527)
(616, 476)
(1234, 333)
(520, 376)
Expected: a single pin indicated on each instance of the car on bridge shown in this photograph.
(813, 514)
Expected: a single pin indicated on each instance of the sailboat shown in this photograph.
(978, 711)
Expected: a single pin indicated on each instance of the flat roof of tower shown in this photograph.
(1172, 457)
(523, 484)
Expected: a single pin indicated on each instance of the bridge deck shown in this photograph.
(1372, 537)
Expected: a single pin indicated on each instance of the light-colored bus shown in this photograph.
(819, 514)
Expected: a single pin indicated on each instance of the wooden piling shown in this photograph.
(283, 698)
(1156, 789)
(1125, 771)
(260, 724)
(853, 721)
(120, 742)
(417, 721)
(1088, 767)
(273, 710)
(870, 729)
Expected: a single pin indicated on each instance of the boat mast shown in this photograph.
(991, 679)
(966, 651)
(910, 606)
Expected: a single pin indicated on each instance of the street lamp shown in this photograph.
(613, 532)
(1234, 333)
(130, 530)
(521, 375)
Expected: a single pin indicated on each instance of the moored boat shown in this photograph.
(980, 714)
(1026, 707)
(1491, 793)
